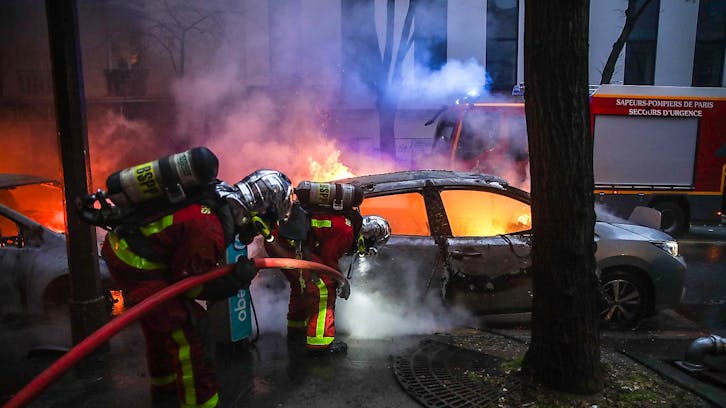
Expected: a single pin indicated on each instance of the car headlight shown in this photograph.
(669, 246)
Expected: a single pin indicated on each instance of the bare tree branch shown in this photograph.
(632, 13)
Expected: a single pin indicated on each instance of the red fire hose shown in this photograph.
(90, 343)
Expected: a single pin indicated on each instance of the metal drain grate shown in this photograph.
(440, 375)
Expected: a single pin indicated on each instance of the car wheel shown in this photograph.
(625, 299)
(672, 218)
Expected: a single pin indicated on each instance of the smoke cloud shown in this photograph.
(386, 303)
(380, 305)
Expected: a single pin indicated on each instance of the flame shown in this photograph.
(330, 169)
(470, 213)
(118, 302)
(43, 203)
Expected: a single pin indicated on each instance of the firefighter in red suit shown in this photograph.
(191, 241)
(329, 235)
(311, 311)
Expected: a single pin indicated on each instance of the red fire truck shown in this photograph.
(656, 146)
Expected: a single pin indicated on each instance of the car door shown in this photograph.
(405, 266)
(12, 264)
(488, 252)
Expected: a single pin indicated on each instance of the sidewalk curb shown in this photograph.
(706, 391)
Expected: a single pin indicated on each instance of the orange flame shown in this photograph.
(42, 203)
(330, 169)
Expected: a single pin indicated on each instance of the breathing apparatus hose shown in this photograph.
(95, 339)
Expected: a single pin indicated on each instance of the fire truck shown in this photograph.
(658, 146)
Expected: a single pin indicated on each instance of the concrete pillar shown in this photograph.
(467, 30)
(677, 25)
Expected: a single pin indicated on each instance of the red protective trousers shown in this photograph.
(192, 241)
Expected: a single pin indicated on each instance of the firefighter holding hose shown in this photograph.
(152, 252)
(324, 225)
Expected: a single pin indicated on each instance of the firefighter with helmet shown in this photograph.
(374, 233)
(323, 235)
(189, 241)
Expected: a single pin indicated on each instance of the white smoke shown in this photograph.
(455, 80)
(386, 303)
(382, 303)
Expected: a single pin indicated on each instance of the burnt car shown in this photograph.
(34, 276)
(468, 236)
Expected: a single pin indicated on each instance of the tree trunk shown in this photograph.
(631, 16)
(565, 350)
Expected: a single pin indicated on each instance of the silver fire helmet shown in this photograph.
(264, 193)
(374, 233)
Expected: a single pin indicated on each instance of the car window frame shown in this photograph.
(388, 193)
(510, 193)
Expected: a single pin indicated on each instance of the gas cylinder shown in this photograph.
(337, 196)
(170, 175)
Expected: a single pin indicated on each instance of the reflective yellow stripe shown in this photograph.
(194, 292)
(320, 339)
(321, 223)
(159, 381)
(296, 323)
(121, 249)
(157, 226)
(190, 394)
(210, 403)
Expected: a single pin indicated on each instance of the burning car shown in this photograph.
(34, 273)
(469, 235)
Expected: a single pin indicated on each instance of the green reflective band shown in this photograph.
(361, 245)
(210, 403)
(262, 228)
(121, 249)
(157, 226)
(320, 339)
(296, 323)
(190, 394)
(159, 381)
(321, 223)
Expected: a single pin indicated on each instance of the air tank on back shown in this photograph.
(169, 176)
(337, 196)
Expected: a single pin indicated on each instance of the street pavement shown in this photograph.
(267, 373)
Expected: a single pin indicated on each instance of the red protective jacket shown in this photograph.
(189, 242)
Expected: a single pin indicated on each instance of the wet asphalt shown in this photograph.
(265, 373)
(268, 372)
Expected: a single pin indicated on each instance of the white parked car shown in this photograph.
(34, 273)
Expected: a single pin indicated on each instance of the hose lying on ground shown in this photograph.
(95, 339)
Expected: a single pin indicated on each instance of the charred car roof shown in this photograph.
(8, 180)
(415, 179)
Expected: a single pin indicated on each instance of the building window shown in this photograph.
(641, 45)
(34, 83)
(710, 40)
(429, 33)
(501, 58)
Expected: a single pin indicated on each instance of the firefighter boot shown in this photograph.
(296, 336)
(164, 399)
(336, 347)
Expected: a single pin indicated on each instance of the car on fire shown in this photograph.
(468, 235)
(34, 274)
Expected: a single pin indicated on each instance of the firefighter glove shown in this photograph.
(343, 290)
(243, 271)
